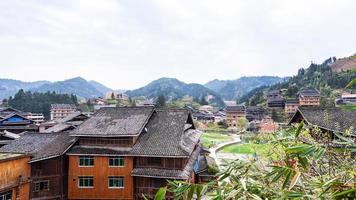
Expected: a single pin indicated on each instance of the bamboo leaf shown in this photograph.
(161, 194)
(294, 179)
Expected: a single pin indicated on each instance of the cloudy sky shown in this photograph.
(126, 44)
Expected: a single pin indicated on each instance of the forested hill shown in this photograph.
(173, 89)
(233, 89)
(320, 76)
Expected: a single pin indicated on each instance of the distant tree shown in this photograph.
(133, 103)
(113, 96)
(39, 102)
(203, 101)
(161, 101)
(241, 123)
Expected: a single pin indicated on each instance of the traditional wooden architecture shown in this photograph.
(17, 123)
(14, 176)
(254, 113)
(275, 99)
(36, 117)
(122, 153)
(47, 160)
(233, 113)
(6, 137)
(291, 106)
(309, 97)
(61, 111)
(328, 120)
(68, 123)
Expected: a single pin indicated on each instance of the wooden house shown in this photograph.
(291, 106)
(14, 176)
(49, 164)
(17, 123)
(328, 120)
(125, 152)
(275, 99)
(309, 97)
(233, 113)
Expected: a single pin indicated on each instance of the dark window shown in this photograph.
(86, 161)
(116, 182)
(6, 196)
(85, 181)
(154, 161)
(116, 161)
(41, 186)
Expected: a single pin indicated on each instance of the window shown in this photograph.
(41, 186)
(86, 182)
(154, 161)
(116, 182)
(116, 161)
(6, 196)
(86, 161)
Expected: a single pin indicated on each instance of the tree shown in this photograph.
(161, 101)
(241, 123)
(203, 101)
(302, 170)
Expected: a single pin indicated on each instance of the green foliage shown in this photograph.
(39, 102)
(319, 76)
(302, 171)
(161, 101)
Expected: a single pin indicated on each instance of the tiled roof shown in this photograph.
(40, 145)
(292, 101)
(166, 135)
(235, 108)
(168, 173)
(92, 150)
(309, 92)
(115, 122)
(334, 119)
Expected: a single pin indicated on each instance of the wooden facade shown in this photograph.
(49, 178)
(100, 171)
(14, 177)
(160, 163)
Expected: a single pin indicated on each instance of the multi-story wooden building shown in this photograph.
(309, 97)
(14, 176)
(122, 153)
(233, 113)
(255, 113)
(275, 99)
(291, 106)
(60, 111)
(48, 162)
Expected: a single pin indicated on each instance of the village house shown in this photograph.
(254, 113)
(291, 106)
(275, 99)
(60, 111)
(124, 152)
(309, 97)
(346, 98)
(14, 176)
(233, 113)
(69, 123)
(47, 160)
(206, 108)
(328, 120)
(267, 125)
(6, 137)
(16, 123)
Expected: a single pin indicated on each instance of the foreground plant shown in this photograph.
(305, 169)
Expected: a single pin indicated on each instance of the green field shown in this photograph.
(212, 139)
(264, 150)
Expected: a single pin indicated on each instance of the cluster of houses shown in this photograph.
(307, 97)
(117, 153)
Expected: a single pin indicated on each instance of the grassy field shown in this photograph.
(264, 150)
(210, 139)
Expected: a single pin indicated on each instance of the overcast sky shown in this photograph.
(127, 44)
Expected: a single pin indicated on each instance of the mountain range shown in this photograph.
(172, 88)
(233, 89)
